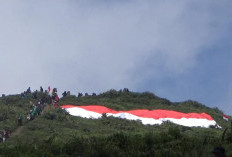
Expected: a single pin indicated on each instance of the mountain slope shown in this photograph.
(56, 133)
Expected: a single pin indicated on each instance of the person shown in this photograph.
(55, 98)
(1, 137)
(54, 93)
(80, 95)
(25, 95)
(29, 116)
(20, 120)
(219, 152)
(29, 90)
(41, 89)
(34, 112)
(64, 94)
(35, 94)
(7, 133)
(56, 101)
(39, 106)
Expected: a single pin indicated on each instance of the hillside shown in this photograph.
(56, 133)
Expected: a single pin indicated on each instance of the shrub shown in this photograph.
(55, 114)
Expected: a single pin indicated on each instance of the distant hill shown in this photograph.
(56, 133)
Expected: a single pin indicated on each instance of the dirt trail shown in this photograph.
(47, 107)
(17, 131)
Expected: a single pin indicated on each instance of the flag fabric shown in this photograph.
(225, 117)
(147, 117)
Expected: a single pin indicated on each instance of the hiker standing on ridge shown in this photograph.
(54, 92)
(41, 89)
(64, 94)
(29, 90)
(55, 98)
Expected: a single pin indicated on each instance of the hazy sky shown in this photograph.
(177, 49)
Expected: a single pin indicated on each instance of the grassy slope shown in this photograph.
(56, 130)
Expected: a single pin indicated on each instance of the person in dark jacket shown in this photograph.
(29, 90)
(41, 89)
(20, 120)
(64, 94)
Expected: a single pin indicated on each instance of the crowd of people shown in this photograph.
(38, 108)
(34, 111)
(38, 99)
(42, 98)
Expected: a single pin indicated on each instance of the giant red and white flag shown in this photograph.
(150, 117)
(225, 117)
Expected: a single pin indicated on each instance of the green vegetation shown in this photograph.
(56, 133)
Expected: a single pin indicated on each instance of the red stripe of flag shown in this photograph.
(155, 114)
